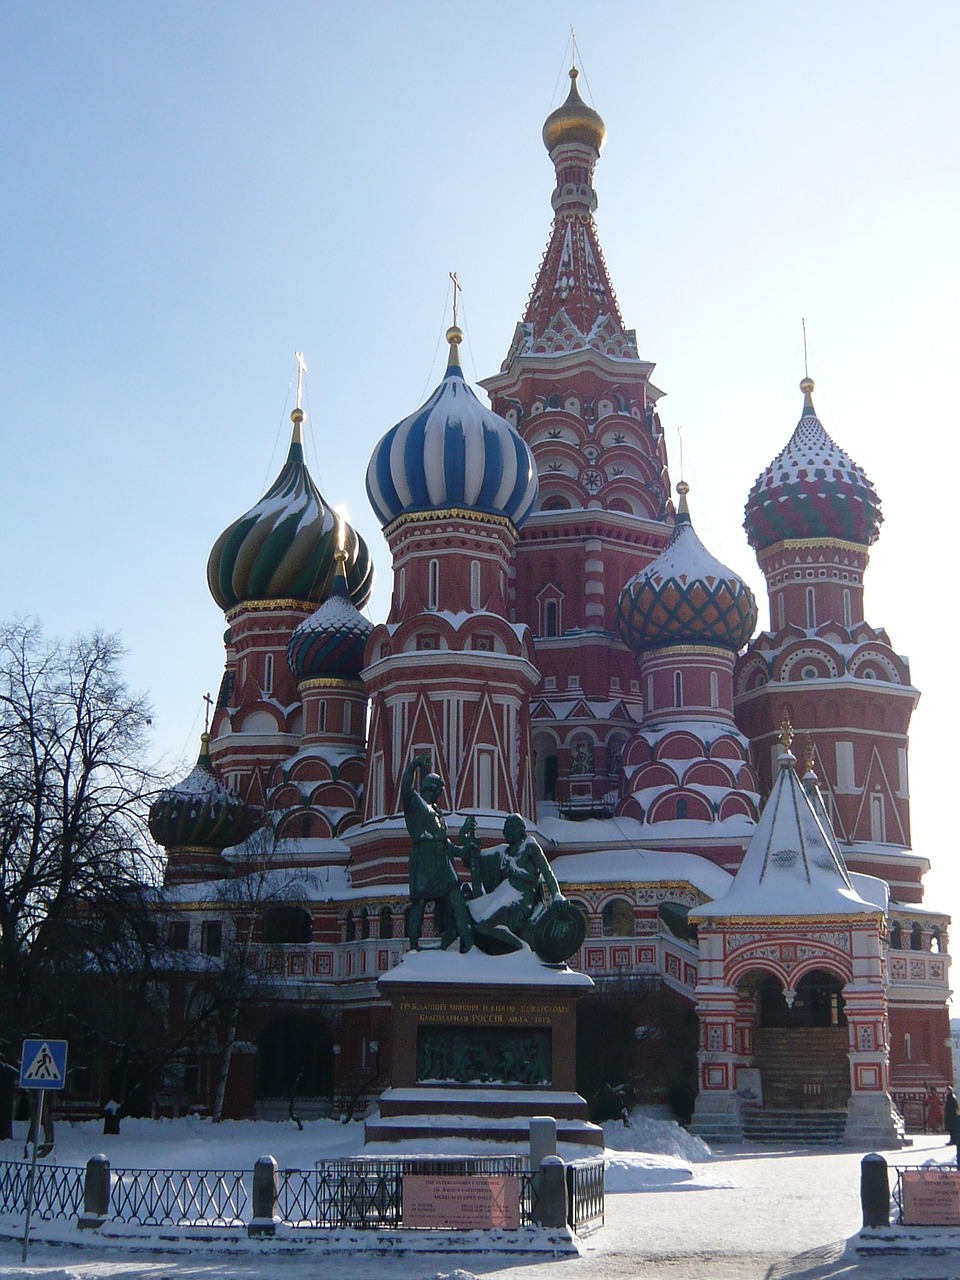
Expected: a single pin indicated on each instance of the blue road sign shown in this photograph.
(43, 1064)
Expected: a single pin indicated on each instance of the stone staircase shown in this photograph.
(805, 1077)
(807, 1128)
(803, 1069)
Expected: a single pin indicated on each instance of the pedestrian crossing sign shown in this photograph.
(43, 1064)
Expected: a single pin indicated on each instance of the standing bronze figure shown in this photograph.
(433, 876)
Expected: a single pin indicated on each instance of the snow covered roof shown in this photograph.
(790, 867)
(641, 866)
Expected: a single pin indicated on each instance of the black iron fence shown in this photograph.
(358, 1193)
(585, 1198)
(179, 1197)
(57, 1193)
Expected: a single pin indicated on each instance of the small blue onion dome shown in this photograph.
(200, 812)
(452, 453)
(284, 547)
(812, 489)
(331, 642)
(686, 596)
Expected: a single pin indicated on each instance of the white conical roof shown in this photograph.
(791, 867)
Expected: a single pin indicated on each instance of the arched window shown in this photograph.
(551, 612)
(714, 689)
(896, 937)
(322, 716)
(847, 608)
(617, 918)
(681, 808)
(283, 923)
(474, 584)
(935, 941)
(551, 771)
(433, 585)
(781, 611)
(811, 607)
(916, 937)
(878, 823)
(385, 929)
(677, 689)
(268, 673)
(364, 924)
(351, 933)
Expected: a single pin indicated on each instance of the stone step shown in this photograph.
(813, 1127)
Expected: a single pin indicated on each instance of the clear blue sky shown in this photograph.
(193, 190)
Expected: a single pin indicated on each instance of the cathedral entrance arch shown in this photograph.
(816, 1002)
(800, 1042)
(294, 1060)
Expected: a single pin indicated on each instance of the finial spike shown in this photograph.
(455, 333)
(573, 42)
(806, 367)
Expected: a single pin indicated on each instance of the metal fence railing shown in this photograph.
(360, 1192)
(585, 1195)
(57, 1193)
(180, 1197)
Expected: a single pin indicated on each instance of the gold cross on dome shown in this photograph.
(457, 290)
(301, 370)
(206, 712)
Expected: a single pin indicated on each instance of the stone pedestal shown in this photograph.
(481, 1045)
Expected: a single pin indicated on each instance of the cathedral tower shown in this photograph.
(448, 673)
(812, 517)
(576, 388)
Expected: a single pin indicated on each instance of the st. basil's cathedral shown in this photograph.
(730, 810)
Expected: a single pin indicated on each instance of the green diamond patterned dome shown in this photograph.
(686, 596)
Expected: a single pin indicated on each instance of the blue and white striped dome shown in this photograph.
(452, 453)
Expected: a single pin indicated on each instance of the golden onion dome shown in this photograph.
(574, 121)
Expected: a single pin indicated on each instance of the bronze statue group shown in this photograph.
(512, 899)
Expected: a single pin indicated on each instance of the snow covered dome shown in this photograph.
(686, 596)
(574, 121)
(812, 489)
(452, 453)
(284, 547)
(332, 640)
(200, 812)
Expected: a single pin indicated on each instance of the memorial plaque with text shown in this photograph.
(468, 1203)
(931, 1197)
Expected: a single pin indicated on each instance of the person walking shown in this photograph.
(935, 1119)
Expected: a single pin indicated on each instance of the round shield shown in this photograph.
(558, 932)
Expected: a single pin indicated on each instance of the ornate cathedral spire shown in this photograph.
(572, 305)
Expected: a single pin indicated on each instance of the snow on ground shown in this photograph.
(646, 1153)
(755, 1213)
